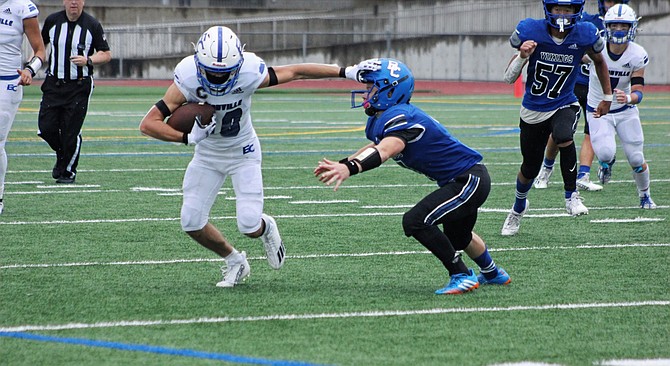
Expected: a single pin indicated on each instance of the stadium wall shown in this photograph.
(438, 39)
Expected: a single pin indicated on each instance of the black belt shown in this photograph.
(68, 81)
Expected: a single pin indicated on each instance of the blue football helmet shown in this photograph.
(621, 14)
(218, 59)
(392, 84)
(563, 21)
(602, 9)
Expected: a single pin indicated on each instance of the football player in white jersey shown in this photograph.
(17, 17)
(221, 74)
(626, 61)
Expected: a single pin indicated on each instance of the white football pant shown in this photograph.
(626, 124)
(204, 177)
(11, 95)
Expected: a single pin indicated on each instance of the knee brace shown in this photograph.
(566, 124)
(562, 135)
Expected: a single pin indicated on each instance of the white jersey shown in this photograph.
(633, 59)
(233, 110)
(12, 14)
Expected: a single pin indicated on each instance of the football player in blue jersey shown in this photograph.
(416, 141)
(586, 153)
(553, 48)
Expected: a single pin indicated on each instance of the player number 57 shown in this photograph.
(543, 72)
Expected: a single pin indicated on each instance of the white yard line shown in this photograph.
(362, 314)
(331, 255)
(329, 215)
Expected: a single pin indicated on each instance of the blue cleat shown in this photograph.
(459, 284)
(501, 279)
(645, 202)
(605, 171)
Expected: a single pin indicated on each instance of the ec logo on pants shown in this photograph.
(12, 87)
(248, 149)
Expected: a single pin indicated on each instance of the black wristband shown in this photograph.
(343, 73)
(184, 138)
(369, 159)
(344, 161)
(353, 167)
(89, 62)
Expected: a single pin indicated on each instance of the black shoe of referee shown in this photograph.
(65, 179)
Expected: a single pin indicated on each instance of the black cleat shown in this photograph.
(65, 180)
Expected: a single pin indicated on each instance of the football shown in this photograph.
(182, 118)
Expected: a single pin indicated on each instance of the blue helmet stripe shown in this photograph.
(219, 51)
(620, 10)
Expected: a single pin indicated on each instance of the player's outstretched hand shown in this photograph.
(330, 172)
(355, 72)
(200, 131)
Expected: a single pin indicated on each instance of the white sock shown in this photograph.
(233, 258)
(642, 182)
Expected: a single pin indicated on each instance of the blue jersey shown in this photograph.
(553, 68)
(434, 152)
(595, 19)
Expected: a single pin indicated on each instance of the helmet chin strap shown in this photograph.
(370, 110)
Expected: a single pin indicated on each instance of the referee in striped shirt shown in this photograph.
(77, 44)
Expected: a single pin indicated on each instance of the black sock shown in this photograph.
(569, 167)
(434, 240)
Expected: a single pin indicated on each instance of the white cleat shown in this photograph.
(513, 222)
(575, 206)
(236, 273)
(585, 184)
(2, 207)
(274, 246)
(645, 203)
(542, 179)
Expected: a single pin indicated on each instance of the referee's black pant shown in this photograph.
(62, 113)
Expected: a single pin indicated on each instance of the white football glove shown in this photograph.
(199, 131)
(355, 72)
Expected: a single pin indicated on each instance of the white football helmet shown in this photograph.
(218, 58)
(621, 14)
